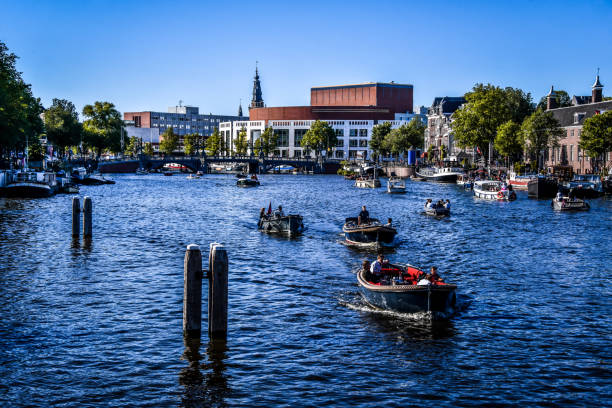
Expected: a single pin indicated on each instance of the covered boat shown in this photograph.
(520, 182)
(372, 234)
(29, 184)
(396, 186)
(569, 204)
(440, 174)
(290, 225)
(585, 186)
(542, 187)
(493, 190)
(399, 292)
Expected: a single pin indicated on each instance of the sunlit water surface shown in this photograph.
(101, 324)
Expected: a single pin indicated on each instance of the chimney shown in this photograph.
(551, 99)
(597, 90)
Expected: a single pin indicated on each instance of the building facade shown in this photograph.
(572, 119)
(438, 132)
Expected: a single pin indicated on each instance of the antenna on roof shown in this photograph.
(180, 103)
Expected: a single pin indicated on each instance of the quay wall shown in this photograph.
(400, 171)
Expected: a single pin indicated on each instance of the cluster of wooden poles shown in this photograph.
(76, 215)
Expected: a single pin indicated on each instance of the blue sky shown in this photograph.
(148, 55)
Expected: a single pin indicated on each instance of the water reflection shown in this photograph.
(209, 389)
(417, 326)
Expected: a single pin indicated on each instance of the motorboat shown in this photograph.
(396, 185)
(400, 291)
(248, 182)
(140, 171)
(290, 225)
(465, 181)
(493, 190)
(66, 186)
(569, 204)
(80, 175)
(440, 174)
(520, 182)
(371, 234)
(542, 187)
(29, 184)
(193, 176)
(367, 182)
(416, 178)
(585, 186)
(437, 211)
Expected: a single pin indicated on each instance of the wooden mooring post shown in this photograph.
(217, 292)
(192, 292)
(76, 213)
(87, 222)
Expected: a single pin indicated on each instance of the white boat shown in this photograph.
(193, 176)
(27, 183)
(440, 174)
(520, 182)
(464, 181)
(363, 182)
(569, 204)
(493, 190)
(396, 186)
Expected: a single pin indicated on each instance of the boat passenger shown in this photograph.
(366, 270)
(389, 222)
(376, 268)
(429, 204)
(559, 196)
(279, 212)
(364, 216)
(447, 204)
(433, 275)
(254, 177)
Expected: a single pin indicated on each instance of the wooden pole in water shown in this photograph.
(217, 292)
(76, 212)
(192, 291)
(87, 210)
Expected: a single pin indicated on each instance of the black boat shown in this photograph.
(585, 186)
(290, 225)
(400, 292)
(372, 234)
(29, 184)
(245, 182)
(438, 211)
(542, 187)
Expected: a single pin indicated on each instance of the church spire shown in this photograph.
(257, 101)
(597, 90)
(240, 108)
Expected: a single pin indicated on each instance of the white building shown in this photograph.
(353, 135)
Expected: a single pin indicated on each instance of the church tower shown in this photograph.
(257, 101)
(240, 109)
(597, 90)
(551, 99)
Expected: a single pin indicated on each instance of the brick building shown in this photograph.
(438, 132)
(572, 119)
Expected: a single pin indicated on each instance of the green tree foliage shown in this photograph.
(103, 127)
(321, 136)
(62, 124)
(241, 143)
(563, 100)
(379, 140)
(488, 107)
(133, 146)
(508, 141)
(148, 149)
(408, 135)
(266, 143)
(36, 151)
(189, 143)
(539, 131)
(213, 143)
(19, 109)
(169, 141)
(596, 137)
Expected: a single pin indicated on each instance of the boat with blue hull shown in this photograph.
(407, 297)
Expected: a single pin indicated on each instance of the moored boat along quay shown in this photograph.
(527, 287)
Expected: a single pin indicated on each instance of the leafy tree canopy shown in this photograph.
(596, 137)
(321, 136)
(148, 149)
(213, 143)
(169, 141)
(563, 100)
(406, 136)
(103, 127)
(62, 124)
(508, 140)
(189, 143)
(241, 143)
(266, 143)
(378, 141)
(539, 131)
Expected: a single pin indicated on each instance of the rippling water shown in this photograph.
(100, 324)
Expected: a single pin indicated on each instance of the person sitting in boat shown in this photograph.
(376, 269)
(389, 223)
(559, 196)
(279, 212)
(429, 204)
(254, 177)
(447, 204)
(433, 275)
(364, 216)
(366, 270)
(440, 204)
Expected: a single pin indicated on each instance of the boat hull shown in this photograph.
(247, 183)
(438, 212)
(369, 183)
(542, 188)
(494, 195)
(368, 235)
(569, 205)
(409, 298)
(439, 178)
(26, 190)
(289, 225)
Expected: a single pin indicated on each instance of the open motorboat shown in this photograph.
(372, 234)
(367, 182)
(248, 182)
(400, 291)
(396, 185)
(290, 225)
(193, 176)
(569, 204)
(440, 174)
(437, 211)
(81, 176)
(493, 190)
(465, 181)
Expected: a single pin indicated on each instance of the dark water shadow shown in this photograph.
(416, 326)
(205, 384)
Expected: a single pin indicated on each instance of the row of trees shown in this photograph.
(386, 141)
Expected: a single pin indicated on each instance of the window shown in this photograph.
(339, 154)
(363, 143)
(297, 153)
(282, 137)
(298, 134)
(363, 132)
(571, 152)
(339, 133)
(340, 143)
(353, 133)
(353, 143)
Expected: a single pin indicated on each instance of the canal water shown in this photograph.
(100, 324)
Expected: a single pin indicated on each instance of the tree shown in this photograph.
(213, 143)
(539, 131)
(36, 151)
(563, 100)
(62, 124)
(241, 143)
(148, 149)
(378, 141)
(189, 143)
(103, 128)
(266, 143)
(169, 141)
(408, 135)
(508, 139)
(487, 107)
(133, 146)
(596, 137)
(321, 136)
(19, 109)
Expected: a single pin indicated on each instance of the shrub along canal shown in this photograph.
(101, 324)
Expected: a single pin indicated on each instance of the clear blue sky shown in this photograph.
(146, 55)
